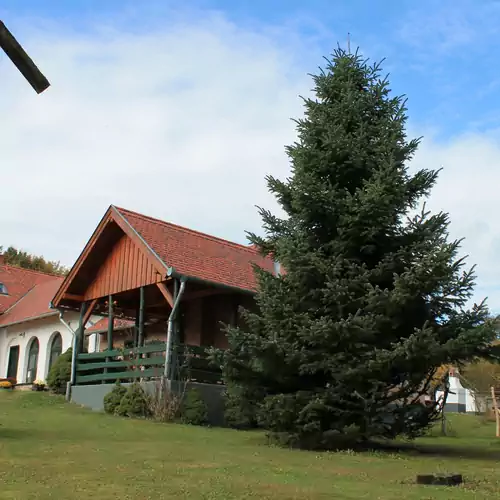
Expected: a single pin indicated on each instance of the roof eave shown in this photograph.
(32, 318)
(174, 274)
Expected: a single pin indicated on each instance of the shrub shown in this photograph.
(60, 373)
(134, 402)
(113, 399)
(39, 385)
(194, 409)
(164, 404)
(5, 384)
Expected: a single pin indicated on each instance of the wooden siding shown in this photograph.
(192, 321)
(202, 319)
(126, 267)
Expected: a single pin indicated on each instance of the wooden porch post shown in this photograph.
(81, 330)
(77, 346)
(136, 328)
(140, 340)
(111, 322)
(174, 367)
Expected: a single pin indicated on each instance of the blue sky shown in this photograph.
(170, 107)
(441, 54)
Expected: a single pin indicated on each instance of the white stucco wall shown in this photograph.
(44, 329)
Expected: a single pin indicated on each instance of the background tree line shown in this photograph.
(20, 258)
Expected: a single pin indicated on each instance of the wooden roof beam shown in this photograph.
(166, 293)
(76, 298)
(89, 312)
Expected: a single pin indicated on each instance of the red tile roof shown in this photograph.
(33, 304)
(102, 325)
(18, 282)
(199, 255)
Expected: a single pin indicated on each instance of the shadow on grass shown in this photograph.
(473, 452)
(17, 434)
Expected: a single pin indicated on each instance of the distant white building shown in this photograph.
(460, 399)
(32, 336)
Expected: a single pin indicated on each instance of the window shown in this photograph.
(34, 347)
(3, 289)
(55, 349)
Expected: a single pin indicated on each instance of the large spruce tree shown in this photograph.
(372, 298)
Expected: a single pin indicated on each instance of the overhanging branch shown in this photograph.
(22, 60)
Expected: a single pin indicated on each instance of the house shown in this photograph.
(459, 398)
(160, 287)
(32, 335)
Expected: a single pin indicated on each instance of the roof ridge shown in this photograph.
(24, 295)
(34, 271)
(239, 246)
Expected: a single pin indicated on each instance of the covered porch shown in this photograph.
(156, 331)
(158, 318)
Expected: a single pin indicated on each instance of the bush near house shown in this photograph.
(60, 373)
(113, 399)
(164, 406)
(39, 385)
(194, 410)
(134, 403)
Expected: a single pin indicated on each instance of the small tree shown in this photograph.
(60, 373)
(372, 300)
(481, 376)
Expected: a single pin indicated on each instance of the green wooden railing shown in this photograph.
(147, 362)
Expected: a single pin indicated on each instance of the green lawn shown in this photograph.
(49, 449)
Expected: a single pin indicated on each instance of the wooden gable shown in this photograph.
(124, 268)
(116, 259)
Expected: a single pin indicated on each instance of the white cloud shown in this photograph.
(183, 124)
(467, 189)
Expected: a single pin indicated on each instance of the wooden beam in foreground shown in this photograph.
(22, 60)
(89, 311)
(166, 293)
(496, 410)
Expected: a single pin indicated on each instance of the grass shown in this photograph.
(52, 450)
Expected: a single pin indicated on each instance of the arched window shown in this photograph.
(55, 348)
(34, 347)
